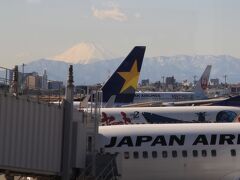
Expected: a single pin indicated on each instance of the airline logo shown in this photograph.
(124, 80)
(204, 83)
(174, 140)
(131, 77)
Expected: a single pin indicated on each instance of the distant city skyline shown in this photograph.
(34, 29)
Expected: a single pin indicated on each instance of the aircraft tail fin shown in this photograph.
(202, 84)
(124, 80)
(110, 102)
(84, 102)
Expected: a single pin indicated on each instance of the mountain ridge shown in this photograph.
(182, 67)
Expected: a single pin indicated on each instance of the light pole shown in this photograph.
(225, 79)
(163, 83)
(22, 79)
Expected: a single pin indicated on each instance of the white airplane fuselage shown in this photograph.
(174, 151)
(199, 92)
(163, 96)
(140, 115)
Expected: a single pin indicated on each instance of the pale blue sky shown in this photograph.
(33, 29)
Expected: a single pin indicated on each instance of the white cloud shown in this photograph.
(114, 14)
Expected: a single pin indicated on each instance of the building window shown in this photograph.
(204, 153)
(195, 153)
(145, 154)
(184, 153)
(154, 154)
(174, 154)
(126, 155)
(233, 152)
(164, 154)
(135, 155)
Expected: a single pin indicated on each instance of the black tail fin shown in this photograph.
(124, 80)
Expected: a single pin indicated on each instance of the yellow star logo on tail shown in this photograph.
(131, 77)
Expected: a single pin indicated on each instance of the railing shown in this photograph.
(85, 173)
(109, 171)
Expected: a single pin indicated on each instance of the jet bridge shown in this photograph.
(50, 141)
(31, 137)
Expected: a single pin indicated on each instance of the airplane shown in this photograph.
(113, 97)
(173, 151)
(156, 115)
(198, 92)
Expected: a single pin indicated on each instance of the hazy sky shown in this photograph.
(33, 29)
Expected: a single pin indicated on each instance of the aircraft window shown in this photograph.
(214, 153)
(174, 154)
(145, 154)
(164, 154)
(154, 154)
(233, 152)
(135, 155)
(195, 153)
(204, 153)
(184, 153)
(126, 155)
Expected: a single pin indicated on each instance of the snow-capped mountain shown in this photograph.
(182, 67)
(83, 53)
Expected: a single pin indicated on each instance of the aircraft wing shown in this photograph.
(195, 102)
(180, 103)
(145, 104)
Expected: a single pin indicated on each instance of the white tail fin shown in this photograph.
(110, 102)
(202, 84)
(84, 102)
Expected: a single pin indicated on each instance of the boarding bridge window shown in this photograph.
(204, 153)
(233, 152)
(195, 153)
(126, 155)
(174, 154)
(213, 153)
(154, 154)
(184, 153)
(135, 155)
(145, 154)
(164, 154)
